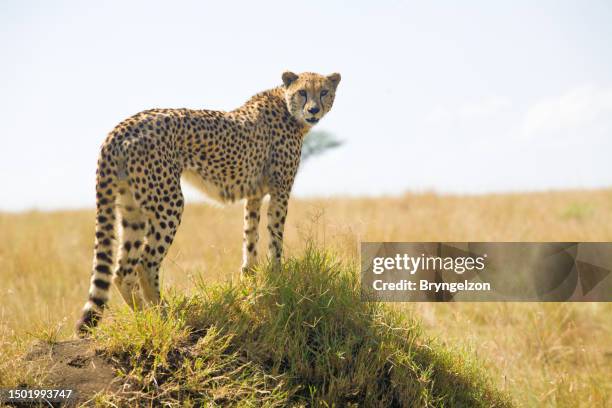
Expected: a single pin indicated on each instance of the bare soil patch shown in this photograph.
(76, 365)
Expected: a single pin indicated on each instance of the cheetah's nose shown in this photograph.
(314, 110)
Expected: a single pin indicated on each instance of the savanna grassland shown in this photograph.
(540, 354)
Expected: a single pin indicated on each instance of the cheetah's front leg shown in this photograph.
(277, 213)
(252, 209)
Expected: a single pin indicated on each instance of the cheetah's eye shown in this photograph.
(302, 93)
(324, 92)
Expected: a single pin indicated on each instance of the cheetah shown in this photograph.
(247, 153)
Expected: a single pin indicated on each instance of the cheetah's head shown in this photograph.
(309, 96)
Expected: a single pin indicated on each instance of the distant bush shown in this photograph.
(578, 211)
(316, 143)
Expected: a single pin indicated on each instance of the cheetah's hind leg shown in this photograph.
(133, 228)
(159, 238)
(252, 209)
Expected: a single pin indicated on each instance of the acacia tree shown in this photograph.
(316, 143)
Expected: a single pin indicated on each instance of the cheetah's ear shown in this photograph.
(289, 78)
(334, 78)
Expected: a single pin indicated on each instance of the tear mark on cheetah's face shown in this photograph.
(309, 96)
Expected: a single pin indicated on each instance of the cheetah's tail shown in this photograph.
(104, 251)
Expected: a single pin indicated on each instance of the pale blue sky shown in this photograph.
(463, 97)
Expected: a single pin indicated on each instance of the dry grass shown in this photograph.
(543, 354)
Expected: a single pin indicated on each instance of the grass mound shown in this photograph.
(299, 336)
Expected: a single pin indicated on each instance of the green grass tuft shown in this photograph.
(298, 336)
(578, 211)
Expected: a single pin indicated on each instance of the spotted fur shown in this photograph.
(243, 154)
